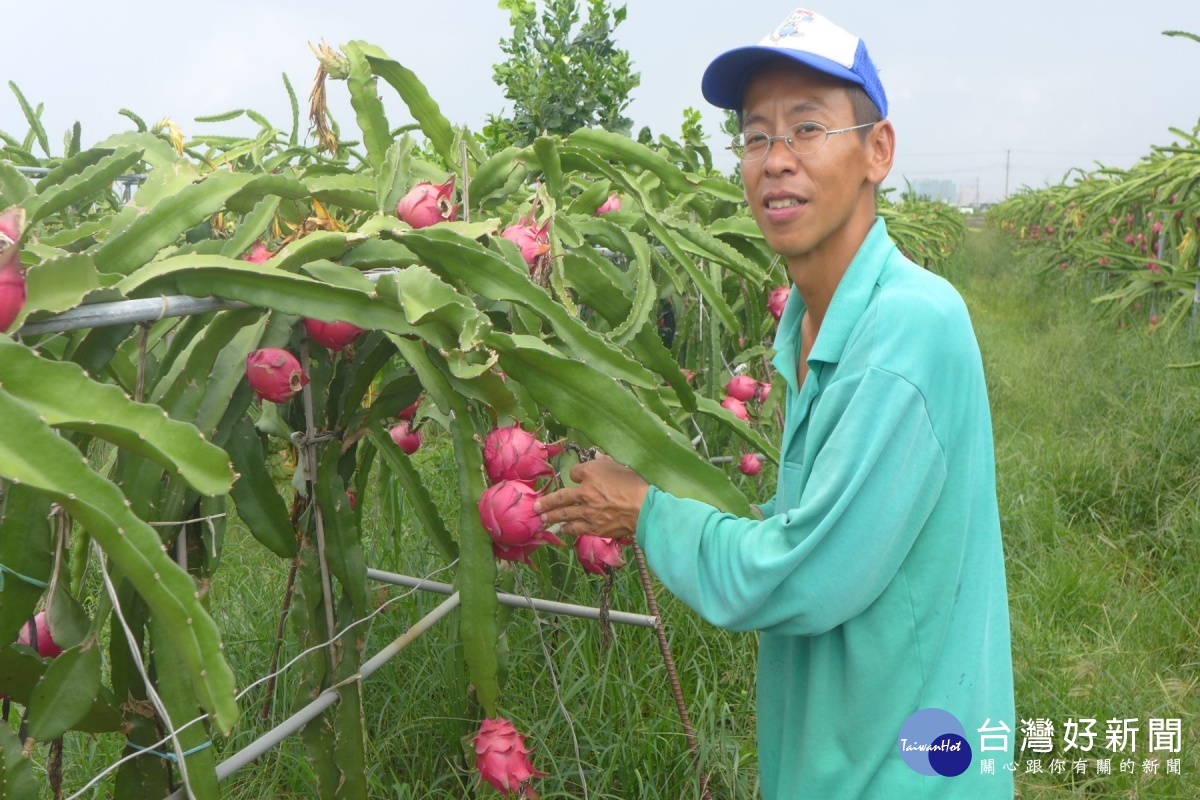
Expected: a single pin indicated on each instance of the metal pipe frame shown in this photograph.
(325, 699)
(519, 601)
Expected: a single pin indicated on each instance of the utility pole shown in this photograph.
(1007, 161)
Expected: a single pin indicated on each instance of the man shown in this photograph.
(876, 576)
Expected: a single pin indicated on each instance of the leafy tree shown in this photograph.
(561, 74)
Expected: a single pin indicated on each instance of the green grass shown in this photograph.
(1097, 447)
(1096, 453)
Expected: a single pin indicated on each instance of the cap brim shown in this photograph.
(725, 79)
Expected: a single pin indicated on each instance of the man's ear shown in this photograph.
(881, 151)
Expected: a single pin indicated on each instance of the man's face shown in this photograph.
(802, 203)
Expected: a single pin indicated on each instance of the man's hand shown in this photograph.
(606, 502)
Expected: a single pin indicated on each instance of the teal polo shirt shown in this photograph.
(876, 578)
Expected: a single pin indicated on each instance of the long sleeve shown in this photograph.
(767, 507)
(808, 568)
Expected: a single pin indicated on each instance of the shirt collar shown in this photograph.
(845, 309)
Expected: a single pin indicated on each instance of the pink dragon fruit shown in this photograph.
(503, 759)
(517, 553)
(743, 387)
(12, 276)
(46, 646)
(259, 254)
(737, 407)
(776, 300)
(410, 411)
(613, 203)
(598, 555)
(512, 454)
(750, 464)
(427, 204)
(274, 374)
(506, 509)
(762, 392)
(332, 335)
(531, 239)
(408, 439)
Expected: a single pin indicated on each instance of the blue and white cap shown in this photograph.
(807, 38)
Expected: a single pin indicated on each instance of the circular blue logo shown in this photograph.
(933, 742)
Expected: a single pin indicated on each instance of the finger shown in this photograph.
(565, 515)
(579, 471)
(555, 500)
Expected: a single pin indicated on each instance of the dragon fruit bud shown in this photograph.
(410, 411)
(506, 509)
(12, 276)
(259, 254)
(750, 464)
(763, 392)
(512, 454)
(613, 203)
(737, 407)
(1129, 240)
(274, 374)
(353, 497)
(503, 759)
(46, 646)
(531, 239)
(1154, 320)
(427, 204)
(598, 555)
(408, 439)
(332, 335)
(776, 300)
(743, 387)
(1157, 227)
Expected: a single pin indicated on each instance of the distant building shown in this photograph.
(946, 191)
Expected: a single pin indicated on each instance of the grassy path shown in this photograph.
(1097, 446)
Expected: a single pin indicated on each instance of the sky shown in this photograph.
(991, 96)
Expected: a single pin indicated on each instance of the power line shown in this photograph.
(953, 171)
(1069, 153)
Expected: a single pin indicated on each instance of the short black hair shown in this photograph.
(865, 109)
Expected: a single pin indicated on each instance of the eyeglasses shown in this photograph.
(803, 138)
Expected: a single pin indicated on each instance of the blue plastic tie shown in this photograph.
(169, 756)
(26, 578)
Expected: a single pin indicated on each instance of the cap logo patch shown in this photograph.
(791, 26)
